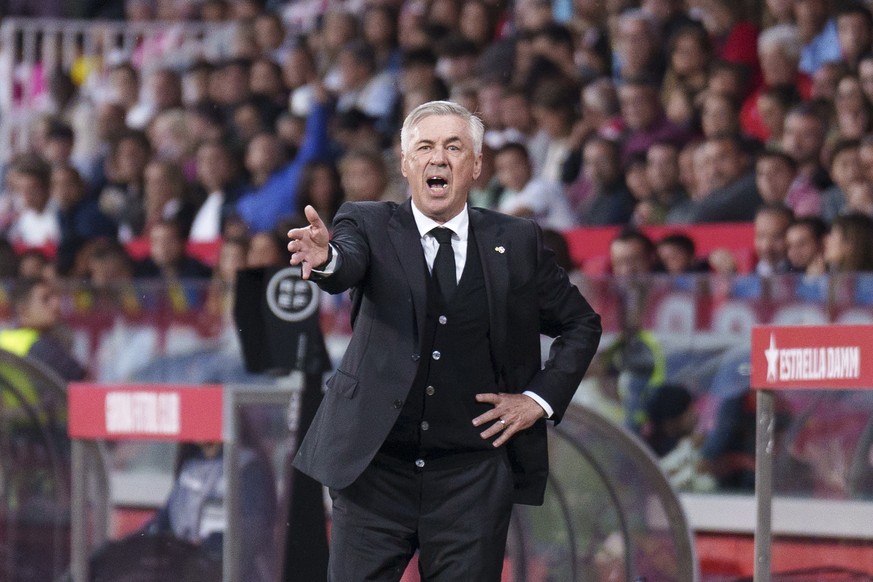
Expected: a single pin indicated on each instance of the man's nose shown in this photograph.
(438, 156)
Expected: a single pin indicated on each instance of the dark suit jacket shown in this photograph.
(382, 261)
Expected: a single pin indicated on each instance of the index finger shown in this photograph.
(312, 216)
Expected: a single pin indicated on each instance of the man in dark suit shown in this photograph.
(434, 423)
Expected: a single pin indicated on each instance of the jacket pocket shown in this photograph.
(343, 384)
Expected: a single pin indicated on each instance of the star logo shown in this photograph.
(772, 355)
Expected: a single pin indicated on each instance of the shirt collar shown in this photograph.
(459, 224)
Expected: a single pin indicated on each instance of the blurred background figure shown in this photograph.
(37, 333)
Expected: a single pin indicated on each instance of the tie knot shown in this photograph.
(442, 234)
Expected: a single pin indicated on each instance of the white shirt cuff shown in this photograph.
(331, 266)
(539, 400)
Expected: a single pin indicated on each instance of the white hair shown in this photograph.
(477, 128)
(784, 37)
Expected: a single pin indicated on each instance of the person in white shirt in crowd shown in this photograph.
(217, 176)
(37, 224)
(363, 85)
(524, 195)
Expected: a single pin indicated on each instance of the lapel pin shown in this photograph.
(500, 250)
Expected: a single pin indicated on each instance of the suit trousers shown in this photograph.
(457, 519)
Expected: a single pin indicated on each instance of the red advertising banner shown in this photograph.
(813, 356)
(145, 411)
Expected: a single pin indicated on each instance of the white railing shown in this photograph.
(30, 49)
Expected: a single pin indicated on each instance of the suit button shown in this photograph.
(436, 355)
(429, 390)
(443, 319)
(424, 425)
(419, 463)
(398, 404)
(415, 357)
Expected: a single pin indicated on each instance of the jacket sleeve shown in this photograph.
(349, 238)
(566, 316)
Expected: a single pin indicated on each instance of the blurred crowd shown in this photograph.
(620, 112)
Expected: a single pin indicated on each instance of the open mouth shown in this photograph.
(437, 184)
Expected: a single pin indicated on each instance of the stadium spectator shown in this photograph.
(37, 332)
(644, 119)
(728, 182)
(638, 53)
(108, 125)
(320, 186)
(601, 111)
(163, 92)
(852, 112)
(662, 174)
(719, 115)
(803, 140)
(773, 105)
(299, 73)
(363, 85)
(771, 222)
(516, 119)
(631, 254)
(779, 52)
(818, 32)
(804, 245)
(689, 52)
(267, 249)
(339, 27)
(524, 195)
(121, 198)
(677, 253)
(609, 200)
(635, 178)
(166, 196)
(635, 356)
(859, 198)
(167, 257)
(554, 111)
(845, 169)
(195, 508)
(457, 60)
(37, 223)
(229, 84)
(79, 217)
(825, 79)
(477, 22)
(271, 195)
(671, 434)
(364, 176)
(59, 139)
(270, 36)
(775, 171)
(733, 36)
(217, 177)
(848, 246)
(855, 33)
(267, 85)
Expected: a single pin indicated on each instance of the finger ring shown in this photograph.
(502, 422)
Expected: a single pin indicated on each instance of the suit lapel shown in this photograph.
(404, 236)
(494, 251)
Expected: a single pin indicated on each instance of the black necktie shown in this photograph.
(444, 263)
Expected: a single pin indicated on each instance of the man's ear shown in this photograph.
(403, 164)
(477, 166)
